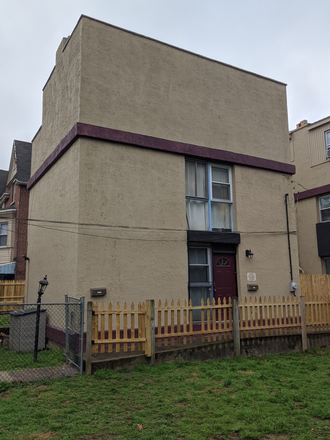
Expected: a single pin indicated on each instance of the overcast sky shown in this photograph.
(287, 40)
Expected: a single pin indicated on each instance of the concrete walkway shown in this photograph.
(34, 374)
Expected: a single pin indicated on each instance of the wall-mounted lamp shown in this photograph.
(42, 287)
(249, 254)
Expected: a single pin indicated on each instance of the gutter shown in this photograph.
(8, 210)
(4, 197)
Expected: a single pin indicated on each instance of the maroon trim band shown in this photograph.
(312, 192)
(108, 134)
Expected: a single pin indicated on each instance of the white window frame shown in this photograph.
(327, 143)
(209, 199)
(208, 285)
(323, 209)
(2, 234)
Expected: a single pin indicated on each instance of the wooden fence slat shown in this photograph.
(178, 323)
(95, 329)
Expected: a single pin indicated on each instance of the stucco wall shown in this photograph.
(115, 79)
(61, 101)
(141, 194)
(306, 144)
(260, 217)
(312, 171)
(52, 247)
(307, 217)
(139, 85)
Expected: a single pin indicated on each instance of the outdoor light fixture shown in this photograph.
(249, 254)
(42, 287)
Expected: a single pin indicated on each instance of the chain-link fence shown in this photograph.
(41, 341)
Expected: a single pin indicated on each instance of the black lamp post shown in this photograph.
(42, 287)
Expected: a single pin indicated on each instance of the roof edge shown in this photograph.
(174, 47)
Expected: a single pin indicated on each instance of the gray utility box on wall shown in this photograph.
(23, 327)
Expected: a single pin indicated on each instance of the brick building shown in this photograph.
(14, 207)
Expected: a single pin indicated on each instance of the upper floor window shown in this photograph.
(325, 208)
(3, 234)
(208, 196)
(327, 144)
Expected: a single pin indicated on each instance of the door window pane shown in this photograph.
(325, 215)
(197, 256)
(198, 274)
(196, 294)
(327, 266)
(221, 216)
(197, 215)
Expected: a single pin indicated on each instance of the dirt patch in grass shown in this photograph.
(98, 436)
(231, 436)
(274, 437)
(235, 436)
(149, 380)
(42, 435)
(246, 372)
(41, 387)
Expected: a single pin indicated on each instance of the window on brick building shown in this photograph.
(3, 234)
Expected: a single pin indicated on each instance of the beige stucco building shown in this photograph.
(310, 153)
(155, 171)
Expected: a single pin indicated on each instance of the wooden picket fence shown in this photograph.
(316, 290)
(174, 324)
(11, 292)
(269, 316)
(113, 329)
(116, 329)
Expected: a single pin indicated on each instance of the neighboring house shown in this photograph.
(14, 208)
(155, 172)
(310, 151)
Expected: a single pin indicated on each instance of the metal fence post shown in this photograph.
(89, 338)
(236, 335)
(82, 315)
(67, 347)
(150, 330)
(303, 323)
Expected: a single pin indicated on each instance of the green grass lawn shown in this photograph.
(15, 360)
(272, 397)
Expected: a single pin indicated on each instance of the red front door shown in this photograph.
(224, 277)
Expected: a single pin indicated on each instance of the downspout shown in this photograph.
(288, 232)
